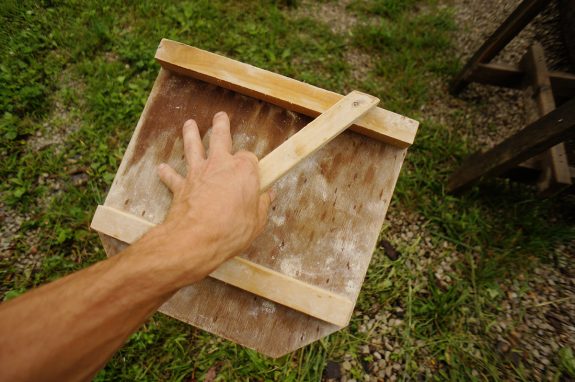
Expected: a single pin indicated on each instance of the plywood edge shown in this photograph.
(162, 76)
(380, 124)
(241, 273)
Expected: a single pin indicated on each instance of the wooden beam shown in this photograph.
(286, 92)
(555, 168)
(513, 77)
(314, 136)
(507, 76)
(241, 273)
(547, 131)
(521, 16)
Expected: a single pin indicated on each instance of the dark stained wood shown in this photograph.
(508, 76)
(546, 132)
(555, 175)
(323, 225)
(511, 76)
(521, 16)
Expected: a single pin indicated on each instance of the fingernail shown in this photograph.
(161, 166)
(220, 114)
(189, 122)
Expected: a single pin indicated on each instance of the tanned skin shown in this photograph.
(67, 330)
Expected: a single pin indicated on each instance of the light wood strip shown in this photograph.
(314, 136)
(288, 93)
(241, 273)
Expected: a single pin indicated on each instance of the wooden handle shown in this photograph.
(314, 136)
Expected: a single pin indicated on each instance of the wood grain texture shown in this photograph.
(555, 175)
(323, 225)
(554, 127)
(279, 90)
(241, 273)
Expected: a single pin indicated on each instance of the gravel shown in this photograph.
(531, 327)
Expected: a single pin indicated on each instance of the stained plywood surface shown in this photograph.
(323, 225)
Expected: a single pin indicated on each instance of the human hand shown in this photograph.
(217, 209)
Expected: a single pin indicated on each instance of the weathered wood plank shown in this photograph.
(279, 90)
(555, 176)
(513, 77)
(547, 131)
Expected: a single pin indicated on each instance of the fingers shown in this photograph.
(170, 177)
(221, 139)
(193, 147)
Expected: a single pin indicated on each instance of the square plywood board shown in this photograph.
(322, 228)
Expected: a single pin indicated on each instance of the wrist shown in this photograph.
(175, 259)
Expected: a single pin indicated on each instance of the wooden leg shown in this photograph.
(546, 132)
(555, 175)
(522, 15)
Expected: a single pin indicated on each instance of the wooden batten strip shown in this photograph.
(241, 273)
(274, 88)
(314, 136)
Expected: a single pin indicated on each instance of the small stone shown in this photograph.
(332, 371)
(346, 366)
(503, 347)
(377, 355)
(396, 367)
(365, 349)
(376, 341)
(389, 371)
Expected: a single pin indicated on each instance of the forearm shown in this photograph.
(68, 329)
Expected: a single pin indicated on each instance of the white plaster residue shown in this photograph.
(254, 312)
(261, 145)
(350, 286)
(278, 220)
(268, 307)
(242, 141)
(291, 266)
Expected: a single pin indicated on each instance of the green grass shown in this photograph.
(86, 68)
